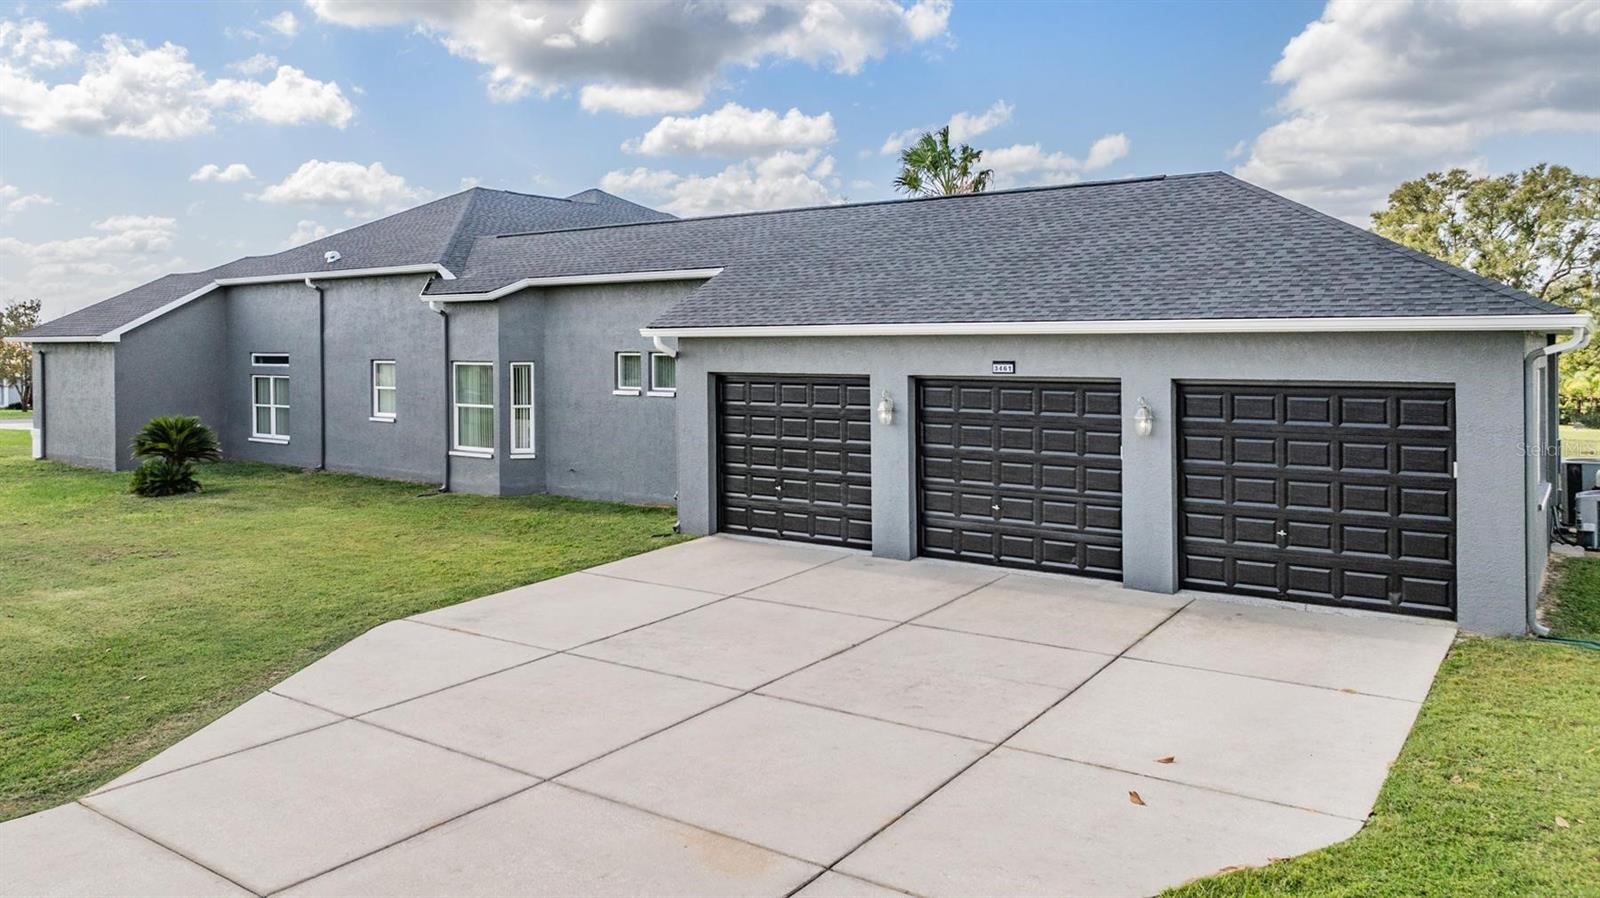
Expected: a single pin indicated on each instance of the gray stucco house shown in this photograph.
(1179, 382)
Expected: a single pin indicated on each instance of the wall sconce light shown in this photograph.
(886, 409)
(1144, 420)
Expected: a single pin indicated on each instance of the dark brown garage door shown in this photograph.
(1021, 474)
(795, 457)
(1336, 495)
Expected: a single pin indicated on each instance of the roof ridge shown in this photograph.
(1109, 182)
(1470, 277)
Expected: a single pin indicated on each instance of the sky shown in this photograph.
(138, 139)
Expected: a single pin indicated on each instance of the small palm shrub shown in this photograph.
(159, 477)
(170, 447)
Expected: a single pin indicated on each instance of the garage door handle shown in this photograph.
(1283, 533)
(994, 508)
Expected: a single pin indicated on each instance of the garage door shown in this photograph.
(1335, 495)
(795, 458)
(1021, 474)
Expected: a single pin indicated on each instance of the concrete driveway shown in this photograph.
(736, 717)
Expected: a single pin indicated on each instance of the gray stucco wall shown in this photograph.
(78, 398)
(1485, 370)
(603, 446)
(160, 371)
(271, 318)
(384, 318)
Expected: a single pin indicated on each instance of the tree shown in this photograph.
(16, 359)
(931, 167)
(170, 447)
(1537, 231)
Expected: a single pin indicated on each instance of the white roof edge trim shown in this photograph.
(115, 335)
(1551, 322)
(578, 280)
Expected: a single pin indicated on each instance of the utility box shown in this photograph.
(1580, 476)
(1587, 506)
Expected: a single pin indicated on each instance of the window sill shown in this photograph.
(276, 441)
(471, 453)
(624, 392)
(665, 393)
(524, 455)
(381, 419)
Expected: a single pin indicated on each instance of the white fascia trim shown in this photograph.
(115, 336)
(578, 280)
(1535, 323)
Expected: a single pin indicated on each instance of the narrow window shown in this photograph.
(270, 405)
(384, 394)
(522, 409)
(269, 359)
(474, 407)
(630, 374)
(663, 374)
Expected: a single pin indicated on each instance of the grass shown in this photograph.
(128, 623)
(1579, 441)
(11, 414)
(1505, 751)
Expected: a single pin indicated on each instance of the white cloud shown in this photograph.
(363, 188)
(306, 231)
(283, 23)
(782, 180)
(468, 183)
(235, 171)
(29, 44)
(628, 50)
(13, 200)
(734, 131)
(130, 90)
(255, 65)
(123, 251)
(290, 98)
(81, 5)
(1022, 164)
(636, 100)
(963, 127)
(1380, 92)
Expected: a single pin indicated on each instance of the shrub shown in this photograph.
(159, 477)
(170, 447)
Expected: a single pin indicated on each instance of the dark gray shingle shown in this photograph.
(1190, 246)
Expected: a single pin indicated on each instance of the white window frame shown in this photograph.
(456, 406)
(617, 389)
(529, 450)
(384, 417)
(663, 391)
(256, 357)
(273, 436)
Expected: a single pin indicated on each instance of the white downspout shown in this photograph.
(1579, 339)
(665, 345)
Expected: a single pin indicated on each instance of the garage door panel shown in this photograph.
(795, 458)
(1021, 474)
(1354, 506)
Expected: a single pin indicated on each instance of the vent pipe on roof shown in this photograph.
(331, 256)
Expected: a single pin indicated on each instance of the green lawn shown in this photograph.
(1506, 750)
(11, 414)
(1579, 441)
(127, 623)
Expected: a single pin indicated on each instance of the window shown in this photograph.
(663, 374)
(522, 409)
(630, 374)
(474, 407)
(270, 404)
(269, 359)
(383, 390)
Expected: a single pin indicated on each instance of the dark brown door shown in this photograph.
(1021, 474)
(1335, 495)
(795, 457)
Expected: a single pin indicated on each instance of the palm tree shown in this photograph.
(931, 167)
(170, 447)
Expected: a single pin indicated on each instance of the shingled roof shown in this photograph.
(437, 233)
(1179, 247)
